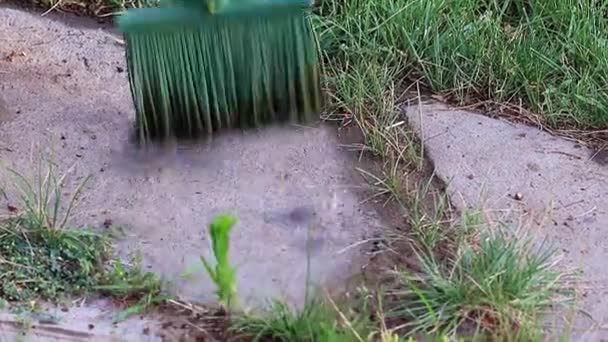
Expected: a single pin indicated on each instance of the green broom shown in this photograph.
(198, 66)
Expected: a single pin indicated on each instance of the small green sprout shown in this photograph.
(223, 275)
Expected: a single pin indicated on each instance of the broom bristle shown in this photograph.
(192, 74)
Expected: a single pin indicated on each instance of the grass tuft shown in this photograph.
(316, 321)
(41, 263)
(499, 287)
(43, 258)
(429, 222)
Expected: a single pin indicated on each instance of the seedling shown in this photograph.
(223, 275)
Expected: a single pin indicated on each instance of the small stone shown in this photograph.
(91, 326)
(518, 196)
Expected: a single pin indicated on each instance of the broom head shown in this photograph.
(191, 72)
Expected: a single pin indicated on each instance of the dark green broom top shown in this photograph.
(197, 67)
(193, 12)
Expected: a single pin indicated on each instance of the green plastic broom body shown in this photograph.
(199, 66)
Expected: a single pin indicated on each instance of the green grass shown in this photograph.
(475, 280)
(497, 290)
(223, 274)
(43, 258)
(429, 222)
(499, 286)
(548, 56)
(316, 321)
(471, 277)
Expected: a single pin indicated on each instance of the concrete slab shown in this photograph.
(68, 89)
(557, 185)
(90, 322)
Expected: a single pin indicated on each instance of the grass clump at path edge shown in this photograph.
(318, 320)
(499, 286)
(42, 258)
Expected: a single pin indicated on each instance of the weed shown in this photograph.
(498, 287)
(388, 186)
(316, 321)
(223, 275)
(42, 263)
(42, 258)
(131, 285)
(366, 93)
(429, 222)
(42, 198)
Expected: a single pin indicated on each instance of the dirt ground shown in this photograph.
(546, 186)
(64, 89)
